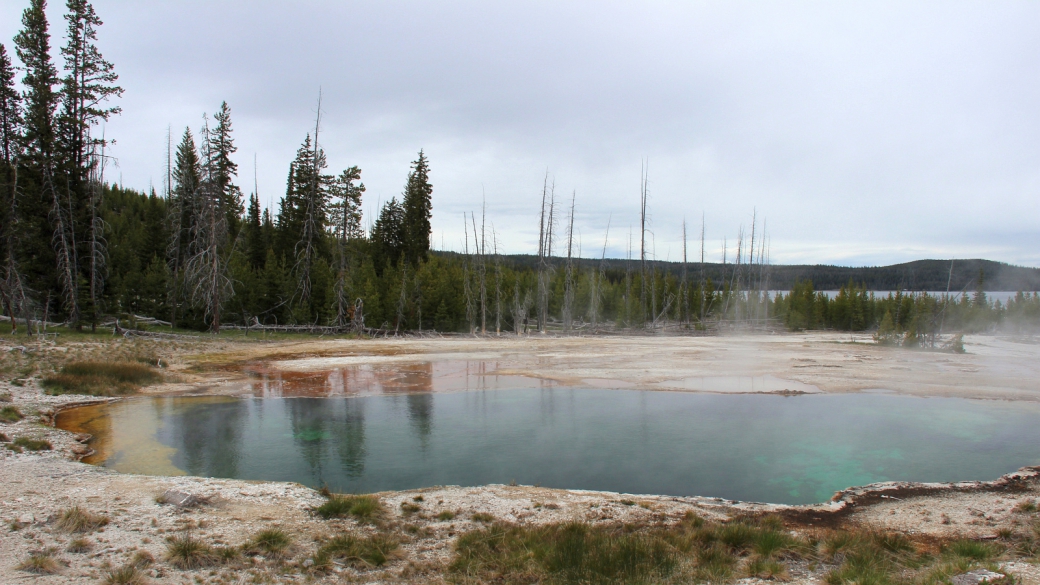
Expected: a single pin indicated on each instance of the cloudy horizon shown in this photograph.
(860, 133)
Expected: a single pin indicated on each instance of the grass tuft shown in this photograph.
(272, 542)
(40, 563)
(445, 516)
(79, 545)
(972, 549)
(100, 378)
(76, 519)
(483, 517)
(364, 508)
(187, 552)
(30, 444)
(128, 574)
(10, 414)
(358, 552)
(408, 508)
(1026, 506)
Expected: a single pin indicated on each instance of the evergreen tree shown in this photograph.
(10, 111)
(388, 236)
(48, 242)
(11, 290)
(187, 173)
(417, 206)
(225, 170)
(89, 82)
(256, 247)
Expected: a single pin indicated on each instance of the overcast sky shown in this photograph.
(862, 133)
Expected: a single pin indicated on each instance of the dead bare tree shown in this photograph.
(97, 247)
(313, 218)
(63, 240)
(644, 171)
(206, 272)
(520, 309)
(684, 293)
(545, 246)
(498, 282)
(481, 271)
(466, 286)
(568, 282)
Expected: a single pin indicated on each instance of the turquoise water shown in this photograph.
(764, 448)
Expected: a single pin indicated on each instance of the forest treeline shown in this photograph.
(201, 255)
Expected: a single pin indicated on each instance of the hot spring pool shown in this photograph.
(754, 447)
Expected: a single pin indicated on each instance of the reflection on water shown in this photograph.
(748, 447)
(388, 378)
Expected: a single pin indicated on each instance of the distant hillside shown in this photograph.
(920, 275)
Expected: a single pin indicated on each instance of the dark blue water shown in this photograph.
(764, 448)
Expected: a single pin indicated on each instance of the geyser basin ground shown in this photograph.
(751, 447)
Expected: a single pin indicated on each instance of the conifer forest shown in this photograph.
(201, 254)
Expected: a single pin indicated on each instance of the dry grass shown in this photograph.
(189, 553)
(101, 378)
(128, 574)
(40, 563)
(79, 545)
(358, 552)
(78, 520)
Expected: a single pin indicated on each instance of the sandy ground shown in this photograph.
(37, 487)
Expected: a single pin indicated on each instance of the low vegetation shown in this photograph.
(128, 574)
(10, 414)
(270, 542)
(40, 563)
(357, 551)
(363, 508)
(101, 378)
(78, 520)
(29, 444)
(189, 553)
(697, 551)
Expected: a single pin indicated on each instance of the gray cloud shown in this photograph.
(864, 133)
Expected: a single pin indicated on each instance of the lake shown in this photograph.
(753, 447)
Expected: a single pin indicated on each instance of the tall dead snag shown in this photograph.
(480, 271)
(498, 282)
(568, 282)
(545, 244)
(206, 271)
(467, 289)
(684, 292)
(703, 286)
(97, 247)
(644, 195)
(315, 202)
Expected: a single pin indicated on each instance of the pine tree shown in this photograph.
(186, 178)
(417, 206)
(48, 242)
(225, 170)
(89, 82)
(346, 220)
(10, 111)
(11, 290)
(388, 236)
(256, 247)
